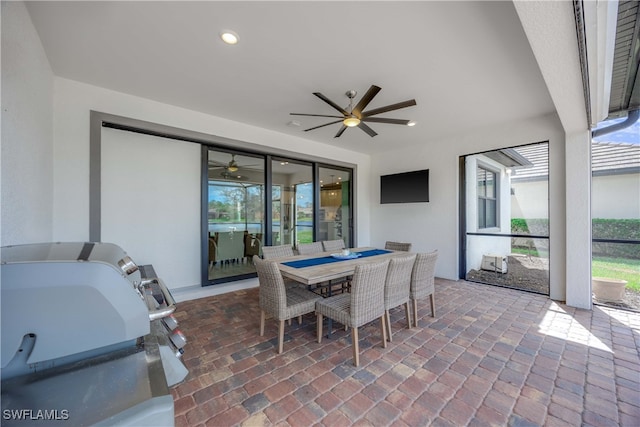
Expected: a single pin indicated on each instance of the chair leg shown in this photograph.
(354, 343)
(433, 305)
(319, 326)
(408, 314)
(383, 329)
(281, 336)
(262, 323)
(415, 312)
(289, 320)
(299, 320)
(388, 322)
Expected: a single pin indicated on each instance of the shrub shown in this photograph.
(619, 229)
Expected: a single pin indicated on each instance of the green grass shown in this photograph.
(613, 268)
(305, 236)
(618, 268)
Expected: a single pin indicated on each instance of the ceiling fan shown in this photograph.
(356, 116)
(232, 166)
(232, 176)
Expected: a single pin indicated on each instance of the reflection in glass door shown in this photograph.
(292, 202)
(235, 214)
(334, 218)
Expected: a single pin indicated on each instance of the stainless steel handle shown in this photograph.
(161, 312)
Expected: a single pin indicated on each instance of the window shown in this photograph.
(487, 199)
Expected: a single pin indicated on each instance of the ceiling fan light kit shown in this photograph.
(229, 37)
(351, 121)
(356, 116)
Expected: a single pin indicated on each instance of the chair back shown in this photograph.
(398, 246)
(398, 281)
(273, 296)
(310, 248)
(213, 248)
(277, 251)
(252, 243)
(422, 277)
(367, 292)
(333, 245)
(230, 245)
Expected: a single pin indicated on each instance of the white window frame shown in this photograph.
(496, 178)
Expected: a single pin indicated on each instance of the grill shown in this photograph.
(88, 338)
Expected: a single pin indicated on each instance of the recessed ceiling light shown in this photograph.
(411, 123)
(229, 37)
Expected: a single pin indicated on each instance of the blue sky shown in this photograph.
(630, 134)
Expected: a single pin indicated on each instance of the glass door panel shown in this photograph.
(292, 202)
(334, 216)
(235, 214)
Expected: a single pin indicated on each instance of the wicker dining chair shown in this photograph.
(310, 248)
(422, 282)
(362, 305)
(398, 246)
(396, 288)
(279, 251)
(280, 302)
(269, 252)
(333, 245)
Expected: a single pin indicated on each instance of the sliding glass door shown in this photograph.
(235, 213)
(255, 199)
(292, 202)
(334, 217)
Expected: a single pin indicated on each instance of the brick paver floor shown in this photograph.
(491, 357)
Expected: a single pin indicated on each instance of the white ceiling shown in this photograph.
(467, 64)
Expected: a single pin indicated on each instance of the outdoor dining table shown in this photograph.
(324, 266)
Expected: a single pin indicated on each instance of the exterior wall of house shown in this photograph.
(615, 196)
(477, 246)
(612, 197)
(27, 131)
(530, 199)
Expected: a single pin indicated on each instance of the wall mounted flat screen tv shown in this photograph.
(406, 187)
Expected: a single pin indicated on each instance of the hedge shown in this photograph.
(619, 229)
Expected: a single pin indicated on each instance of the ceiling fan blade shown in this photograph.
(326, 124)
(367, 129)
(389, 121)
(315, 115)
(366, 99)
(330, 102)
(341, 131)
(391, 107)
(217, 163)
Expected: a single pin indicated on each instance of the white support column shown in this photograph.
(578, 218)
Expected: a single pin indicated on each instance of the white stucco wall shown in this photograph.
(530, 199)
(615, 196)
(27, 138)
(434, 225)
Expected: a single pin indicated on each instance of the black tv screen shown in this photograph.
(406, 187)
